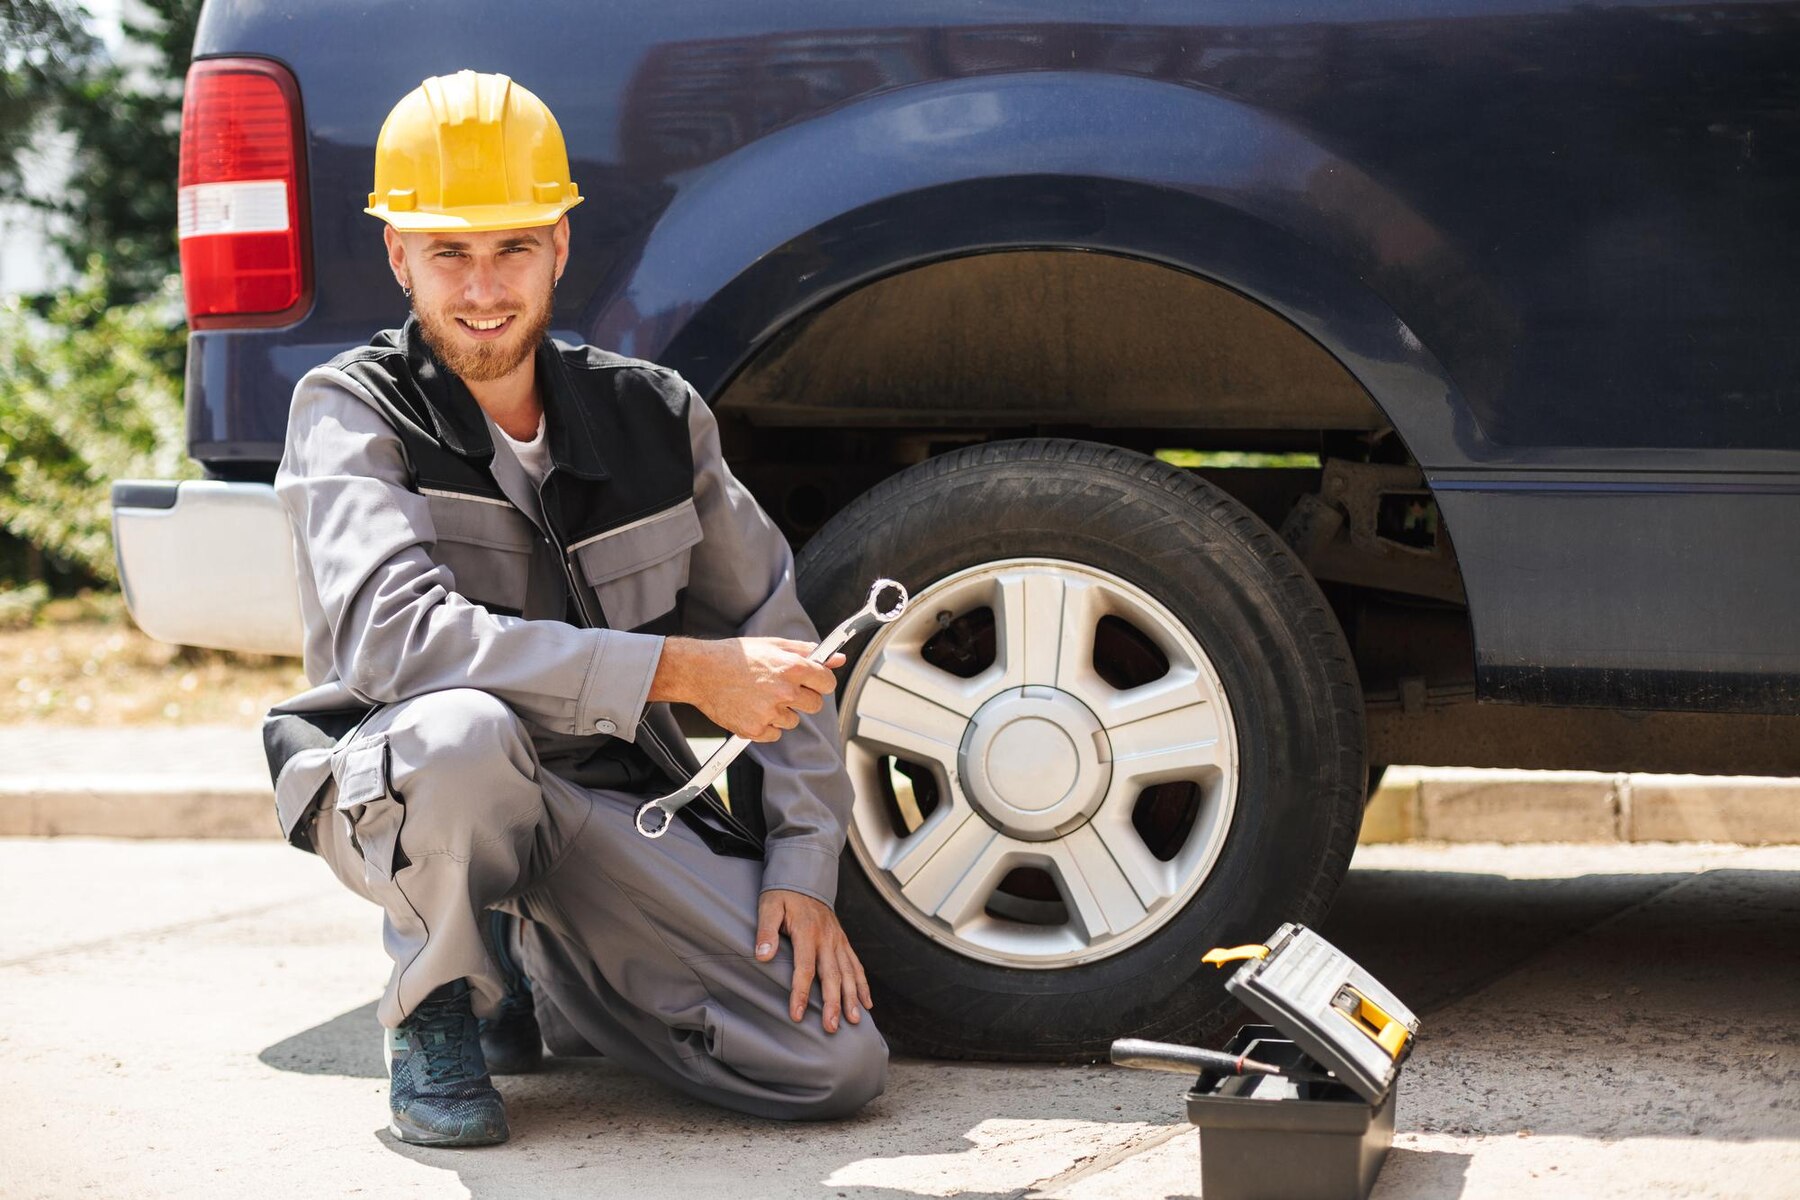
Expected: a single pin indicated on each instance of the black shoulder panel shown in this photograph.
(627, 436)
(416, 400)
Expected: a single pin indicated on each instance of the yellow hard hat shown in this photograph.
(470, 152)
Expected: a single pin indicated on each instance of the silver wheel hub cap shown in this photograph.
(1035, 762)
(1018, 814)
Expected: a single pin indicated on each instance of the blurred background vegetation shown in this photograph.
(91, 363)
(90, 371)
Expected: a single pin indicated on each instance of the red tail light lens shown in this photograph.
(242, 198)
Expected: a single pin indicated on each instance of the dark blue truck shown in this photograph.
(1468, 334)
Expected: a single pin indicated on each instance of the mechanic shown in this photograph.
(513, 555)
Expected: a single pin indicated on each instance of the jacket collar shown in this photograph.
(459, 423)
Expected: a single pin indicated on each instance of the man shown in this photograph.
(499, 538)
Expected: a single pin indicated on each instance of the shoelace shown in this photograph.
(447, 1044)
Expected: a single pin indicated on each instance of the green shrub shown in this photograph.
(88, 394)
(19, 607)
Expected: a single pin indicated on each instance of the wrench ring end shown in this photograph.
(884, 615)
(643, 814)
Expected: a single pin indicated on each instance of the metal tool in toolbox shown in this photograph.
(1186, 1060)
(1301, 1108)
(655, 816)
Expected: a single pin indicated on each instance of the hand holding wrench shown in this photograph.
(655, 816)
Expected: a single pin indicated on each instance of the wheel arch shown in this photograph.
(1197, 182)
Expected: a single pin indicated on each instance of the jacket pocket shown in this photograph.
(638, 570)
(487, 545)
(370, 807)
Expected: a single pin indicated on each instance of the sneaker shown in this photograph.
(511, 1041)
(438, 1087)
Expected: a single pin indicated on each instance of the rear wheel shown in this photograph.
(1116, 726)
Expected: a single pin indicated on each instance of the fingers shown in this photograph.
(805, 649)
(816, 677)
(822, 953)
(862, 980)
(831, 989)
(805, 965)
(847, 969)
(788, 719)
(771, 733)
(768, 926)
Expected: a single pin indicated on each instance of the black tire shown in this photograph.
(1286, 671)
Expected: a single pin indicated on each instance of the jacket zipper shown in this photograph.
(578, 592)
(656, 747)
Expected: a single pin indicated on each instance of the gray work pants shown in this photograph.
(638, 949)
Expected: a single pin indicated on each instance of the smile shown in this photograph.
(491, 323)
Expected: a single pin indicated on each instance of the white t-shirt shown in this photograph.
(534, 455)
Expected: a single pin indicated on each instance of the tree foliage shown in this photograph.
(90, 378)
(87, 396)
(126, 124)
(123, 120)
(44, 44)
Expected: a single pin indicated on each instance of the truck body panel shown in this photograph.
(1554, 243)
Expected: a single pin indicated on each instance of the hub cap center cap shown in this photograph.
(1035, 762)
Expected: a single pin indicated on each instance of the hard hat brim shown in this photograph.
(477, 218)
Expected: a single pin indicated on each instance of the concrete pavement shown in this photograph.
(195, 1019)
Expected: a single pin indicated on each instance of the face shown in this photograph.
(482, 299)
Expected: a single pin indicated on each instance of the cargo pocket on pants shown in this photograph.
(372, 811)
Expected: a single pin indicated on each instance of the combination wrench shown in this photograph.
(655, 816)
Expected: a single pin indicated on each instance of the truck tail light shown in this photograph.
(243, 217)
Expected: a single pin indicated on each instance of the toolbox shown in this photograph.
(1321, 1128)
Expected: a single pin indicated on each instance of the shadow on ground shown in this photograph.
(1432, 1174)
(1433, 937)
(1599, 1022)
(348, 1044)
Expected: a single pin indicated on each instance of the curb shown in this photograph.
(149, 807)
(1413, 804)
(1460, 805)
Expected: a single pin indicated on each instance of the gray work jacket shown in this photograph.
(427, 560)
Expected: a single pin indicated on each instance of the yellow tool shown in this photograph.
(1220, 957)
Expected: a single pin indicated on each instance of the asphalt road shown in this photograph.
(196, 1020)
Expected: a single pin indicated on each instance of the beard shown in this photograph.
(481, 362)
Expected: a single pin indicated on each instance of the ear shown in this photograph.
(396, 249)
(559, 241)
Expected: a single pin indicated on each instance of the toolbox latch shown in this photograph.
(1220, 956)
(1388, 1032)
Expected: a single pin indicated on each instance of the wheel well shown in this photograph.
(1048, 336)
(1127, 352)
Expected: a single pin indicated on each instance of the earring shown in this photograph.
(406, 291)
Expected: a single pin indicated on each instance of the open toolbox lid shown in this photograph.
(1335, 1012)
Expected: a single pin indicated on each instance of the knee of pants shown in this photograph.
(462, 757)
(846, 1070)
